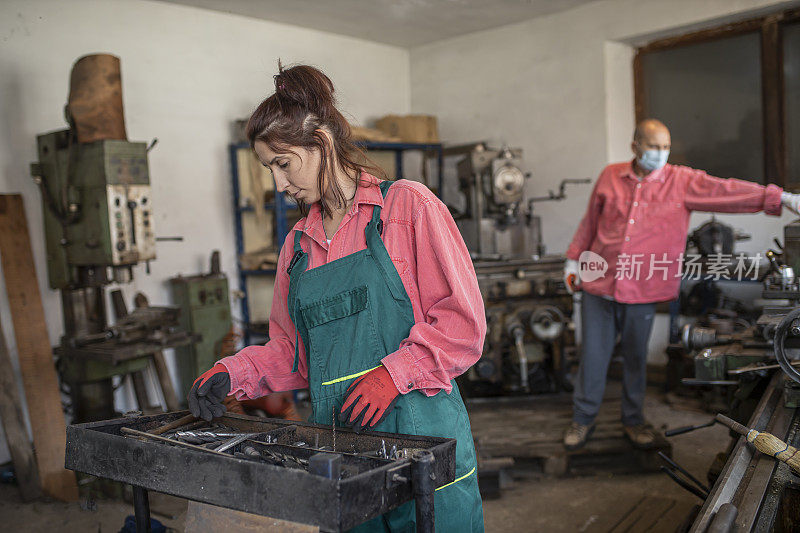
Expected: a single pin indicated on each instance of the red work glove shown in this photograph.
(208, 391)
(371, 398)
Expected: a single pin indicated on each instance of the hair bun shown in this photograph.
(306, 87)
(279, 85)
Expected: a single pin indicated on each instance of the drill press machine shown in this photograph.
(98, 221)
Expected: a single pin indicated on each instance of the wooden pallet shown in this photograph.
(533, 429)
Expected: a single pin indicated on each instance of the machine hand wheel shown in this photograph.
(781, 333)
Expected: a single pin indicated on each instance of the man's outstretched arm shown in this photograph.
(731, 195)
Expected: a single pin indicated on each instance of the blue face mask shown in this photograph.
(653, 159)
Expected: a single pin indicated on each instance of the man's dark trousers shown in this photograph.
(603, 321)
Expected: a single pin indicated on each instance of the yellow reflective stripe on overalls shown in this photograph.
(351, 376)
(458, 479)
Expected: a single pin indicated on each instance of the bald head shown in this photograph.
(651, 139)
(649, 128)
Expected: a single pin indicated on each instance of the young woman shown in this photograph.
(376, 306)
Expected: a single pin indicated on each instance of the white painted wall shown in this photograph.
(186, 74)
(561, 88)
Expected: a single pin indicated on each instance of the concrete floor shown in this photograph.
(595, 503)
(532, 503)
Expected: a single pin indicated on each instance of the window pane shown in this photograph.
(791, 76)
(709, 95)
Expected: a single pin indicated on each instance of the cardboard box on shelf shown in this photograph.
(410, 128)
(360, 133)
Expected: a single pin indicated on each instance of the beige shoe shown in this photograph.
(641, 435)
(577, 435)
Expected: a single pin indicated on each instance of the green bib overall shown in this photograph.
(351, 313)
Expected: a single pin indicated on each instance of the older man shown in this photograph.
(636, 223)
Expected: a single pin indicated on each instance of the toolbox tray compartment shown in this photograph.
(100, 449)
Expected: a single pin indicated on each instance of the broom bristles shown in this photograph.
(771, 445)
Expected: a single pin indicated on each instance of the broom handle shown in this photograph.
(734, 425)
(750, 434)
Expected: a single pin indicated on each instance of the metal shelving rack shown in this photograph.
(280, 207)
(399, 148)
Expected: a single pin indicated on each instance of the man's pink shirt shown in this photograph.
(649, 219)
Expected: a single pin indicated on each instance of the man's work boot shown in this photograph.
(576, 436)
(641, 435)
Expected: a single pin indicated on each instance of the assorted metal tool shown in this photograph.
(217, 438)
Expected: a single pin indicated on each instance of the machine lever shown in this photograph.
(687, 429)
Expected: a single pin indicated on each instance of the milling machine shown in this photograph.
(528, 309)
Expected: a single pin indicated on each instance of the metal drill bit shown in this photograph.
(209, 434)
(199, 437)
(333, 426)
(282, 459)
(141, 434)
(234, 441)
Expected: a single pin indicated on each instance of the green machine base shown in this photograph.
(205, 309)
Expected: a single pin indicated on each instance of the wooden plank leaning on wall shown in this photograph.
(14, 426)
(35, 353)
